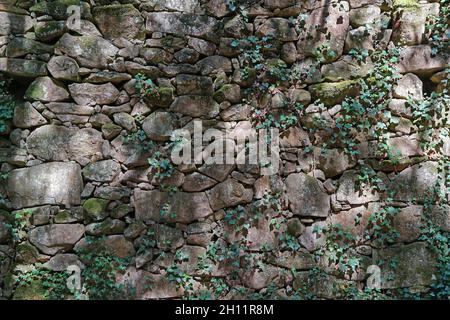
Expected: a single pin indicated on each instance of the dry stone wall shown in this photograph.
(86, 158)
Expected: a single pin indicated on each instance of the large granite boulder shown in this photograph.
(49, 183)
(58, 143)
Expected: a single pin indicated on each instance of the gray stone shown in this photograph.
(119, 21)
(23, 68)
(106, 227)
(349, 191)
(86, 93)
(415, 182)
(196, 106)
(194, 85)
(49, 183)
(213, 64)
(415, 266)
(180, 207)
(54, 238)
(420, 60)
(277, 28)
(125, 120)
(58, 143)
(180, 23)
(334, 20)
(46, 89)
(158, 126)
(63, 68)
(69, 108)
(409, 86)
(19, 47)
(117, 245)
(62, 261)
(306, 197)
(196, 182)
(12, 23)
(229, 193)
(25, 116)
(102, 171)
(88, 51)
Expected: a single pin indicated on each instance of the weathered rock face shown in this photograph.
(102, 171)
(46, 90)
(86, 160)
(350, 191)
(50, 183)
(181, 207)
(59, 143)
(23, 68)
(195, 106)
(12, 23)
(414, 267)
(306, 197)
(180, 24)
(51, 239)
(88, 51)
(25, 116)
(63, 68)
(158, 126)
(87, 93)
(119, 21)
(229, 193)
(414, 182)
(420, 60)
(333, 37)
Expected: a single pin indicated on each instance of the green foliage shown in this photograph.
(7, 104)
(53, 284)
(161, 167)
(99, 276)
(144, 86)
(381, 228)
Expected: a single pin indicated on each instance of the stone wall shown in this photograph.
(75, 156)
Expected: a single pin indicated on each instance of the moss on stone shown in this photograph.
(332, 93)
(31, 291)
(96, 208)
(406, 3)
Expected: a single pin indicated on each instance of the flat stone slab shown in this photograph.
(49, 183)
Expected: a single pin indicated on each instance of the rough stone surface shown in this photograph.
(59, 143)
(50, 183)
(51, 239)
(306, 197)
(182, 207)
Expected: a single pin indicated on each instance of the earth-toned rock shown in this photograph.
(196, 106)
(25, 116)
(414, 267)
(181, 207)
(58, 143)
(20, 47)
(119, 21)
(158, 126)
(54, 238)
(228, 194)
(306, 197)
(86, 93)
(49, 183)
(180, 23)
(88, 51)
(46, 89)
(63, 68)
(102, 171)
(23, 68)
